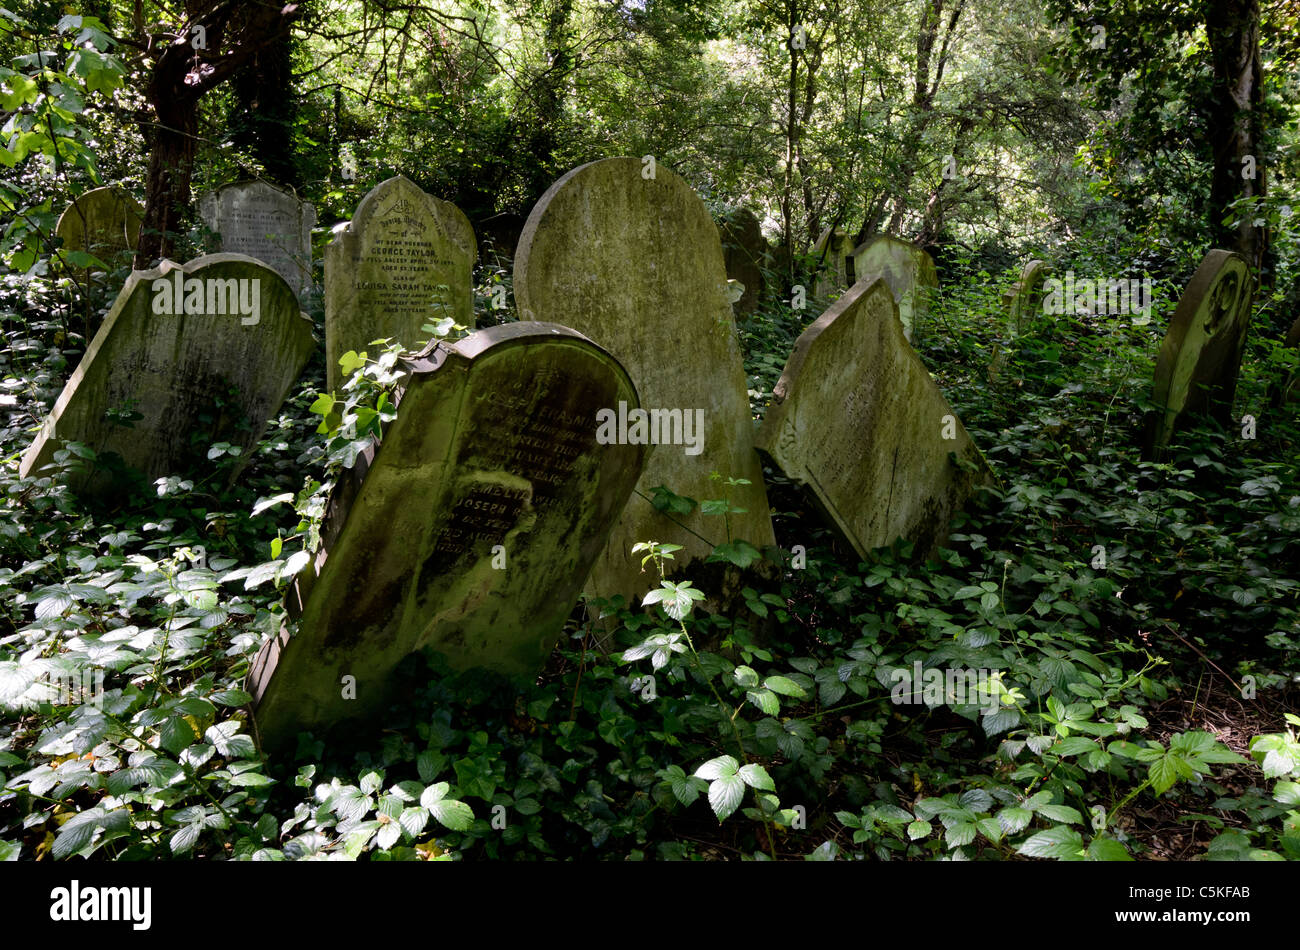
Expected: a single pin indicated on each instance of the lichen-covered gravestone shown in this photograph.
(744, 253)
(103, 222)
(857, 420)
(384, 271)
(469, 530)
(177, 340)
(838, 268)
(909, 272)
(266, 223)
(635, 263)
(1196, 371)
(1025, 296)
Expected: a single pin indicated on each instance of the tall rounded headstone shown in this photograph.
(264, 222)
(1196, 371)
(629, 256)
(469, 529)
(178, 339)
(404, 261)
(910, 273)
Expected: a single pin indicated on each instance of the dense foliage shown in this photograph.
(1138, 621)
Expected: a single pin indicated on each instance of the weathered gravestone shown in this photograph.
(177, 340)
(909, 272)
(383, 272)
(635, 263)
(744, 252)
(266, 223)
(1025, 296)
(834, 251)
(857, 420)
(1196, 371)
(469, 530)
(103, 222)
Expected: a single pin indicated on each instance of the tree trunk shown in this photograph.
(1232, 27)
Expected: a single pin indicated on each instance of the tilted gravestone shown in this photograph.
(909, 272)
(267, 223)
(744, 253)
(635, 263)
(1025, 296)
(404, 261)
(470, 529)
(857, 420)
(1196, 371)
(177, 340)
(103, 222)
(837, 273)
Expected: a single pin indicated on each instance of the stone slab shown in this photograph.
(469, 530)
(910, 273)
(103, 221)
(636, 264)
(405, 260)
(857, 420)
(168, 368)
(1196, 370)
(267, 223)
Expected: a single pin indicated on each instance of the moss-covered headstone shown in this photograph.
(857, 420)
(103, 222)
(221, 337)
(1025, 297)
(908, 270)
(469, 530)
(267, 223)
(627, 254)
(1196, 371)
(404, 261)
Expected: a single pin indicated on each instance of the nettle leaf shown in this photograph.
(1061, 842)
(785, 686)
(1014, 820)
(725, 795)
(1164, 773)
(1108, 849)
(456, 815)
(755, 776)
(724, 766)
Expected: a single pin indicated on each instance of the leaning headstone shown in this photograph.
(857, 420)
(178, 341)
(909, 272)
(404, 261)
(266, 223)
(834, 252)
(635, 263)
(1196, 371)
(469, 530)
(1025, 296)
(744, 253)
(103, 222)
